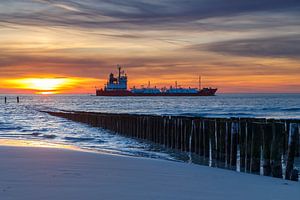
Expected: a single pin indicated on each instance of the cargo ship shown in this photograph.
(117, 86)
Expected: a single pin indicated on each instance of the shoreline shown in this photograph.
(31, 172)
(35, 143)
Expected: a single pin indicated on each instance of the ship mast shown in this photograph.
(200, 84)
(119, 68)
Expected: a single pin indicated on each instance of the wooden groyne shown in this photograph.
(263, 146)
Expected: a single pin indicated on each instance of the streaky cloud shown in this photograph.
(284, 46)
(134, 14)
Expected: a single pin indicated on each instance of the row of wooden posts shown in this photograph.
(263, 146)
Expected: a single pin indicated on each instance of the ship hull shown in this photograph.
(210, 92)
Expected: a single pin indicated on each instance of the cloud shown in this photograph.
(66, 7)
(163, 39)
(129, 14)
(284, 46)
(25, 63)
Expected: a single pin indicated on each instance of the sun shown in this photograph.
(50, 85)
(43, 85)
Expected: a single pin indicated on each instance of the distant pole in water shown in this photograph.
(18, 100)
(5, 100)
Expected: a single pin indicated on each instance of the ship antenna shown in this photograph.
(119, 68)
(200, 84)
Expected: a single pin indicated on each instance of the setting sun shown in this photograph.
(51, 84)
(44, 85)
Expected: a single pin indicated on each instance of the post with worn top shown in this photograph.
(292, 173)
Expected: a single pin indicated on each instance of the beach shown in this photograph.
(45, 172)
(149, 100)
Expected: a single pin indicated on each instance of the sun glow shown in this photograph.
(47, 85)
(44, 85)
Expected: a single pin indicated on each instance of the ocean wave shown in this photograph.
(189, 114)
(290, 109)
(36, 134)
(78, 139)
(50, 136)
(222, 114)
(238, 114)
(5, 128)
(13, 135)
(100, 141)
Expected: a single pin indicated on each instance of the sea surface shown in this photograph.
(25, 121)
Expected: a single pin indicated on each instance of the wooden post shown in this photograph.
(215, 141)
(221, 143)
(212, 142)
(292, 142)
(233, 145)
(205, 139)
(201, 138)
(243, 133)
(267, 140)
(276, 149)
(227, 144)
(255, 149)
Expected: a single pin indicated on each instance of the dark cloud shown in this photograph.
(159, 9)
(126, 14)
(288, 46)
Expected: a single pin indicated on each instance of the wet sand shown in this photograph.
(62, 173)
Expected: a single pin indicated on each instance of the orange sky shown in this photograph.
(72, 46)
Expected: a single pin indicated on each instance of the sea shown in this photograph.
(25, 121)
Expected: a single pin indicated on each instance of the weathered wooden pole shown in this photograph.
(205, 139)
(233, 145)
(291, 173)
(276, 149)
(221, 143)
(267, 136)
(242, 141)
(255, 149)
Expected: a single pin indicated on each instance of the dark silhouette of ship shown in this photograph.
(117, 86)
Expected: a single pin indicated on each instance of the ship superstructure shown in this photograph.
(116, 83)
(117, 86)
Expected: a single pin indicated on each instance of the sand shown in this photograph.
(61, 174)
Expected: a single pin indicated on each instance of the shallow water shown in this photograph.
(24, 121)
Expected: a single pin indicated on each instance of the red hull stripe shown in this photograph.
(210, 92)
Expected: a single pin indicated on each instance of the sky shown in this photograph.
(70, 46)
